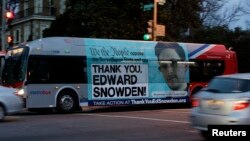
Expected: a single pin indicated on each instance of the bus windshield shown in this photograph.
(15, 67)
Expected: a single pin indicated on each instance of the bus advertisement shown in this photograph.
(67, 73)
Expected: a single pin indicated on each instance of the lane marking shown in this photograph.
(192, 131)
(141, 118)
(177, 112)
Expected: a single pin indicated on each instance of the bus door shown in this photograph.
(49, 75)
(41, 93)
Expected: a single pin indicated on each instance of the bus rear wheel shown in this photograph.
(66, 102)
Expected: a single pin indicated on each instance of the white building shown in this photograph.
(32, 17)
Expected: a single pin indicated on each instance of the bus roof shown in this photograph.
(75, 45)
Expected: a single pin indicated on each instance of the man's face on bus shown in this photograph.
(172, 69)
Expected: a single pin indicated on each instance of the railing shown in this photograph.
(41, 11)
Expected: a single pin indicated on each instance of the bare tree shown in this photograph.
(247, 12)
(218, 13)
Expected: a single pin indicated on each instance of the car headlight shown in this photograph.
(20, 92)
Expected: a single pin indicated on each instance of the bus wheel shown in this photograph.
(2, 113)
(66, 102)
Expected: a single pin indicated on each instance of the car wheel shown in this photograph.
(66, 102)
(2, 113)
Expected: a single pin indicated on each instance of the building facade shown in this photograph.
(32, 17)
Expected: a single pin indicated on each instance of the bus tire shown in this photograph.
(2, 112)
(66, 102)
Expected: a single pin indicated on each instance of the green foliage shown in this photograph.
(238, 40)
(241, 45)
(99, 19)
(126, 19)
(216, 35)
(178, 16)
(123, 19)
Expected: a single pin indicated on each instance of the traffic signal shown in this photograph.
(150, 30)
(10, 40)
(9, 15)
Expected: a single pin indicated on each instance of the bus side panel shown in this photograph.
(231, 63)
(41, 96)
(44, 95)
(127, 72)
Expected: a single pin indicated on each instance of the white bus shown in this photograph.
(66, 73)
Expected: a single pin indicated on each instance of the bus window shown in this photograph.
(56, 69)
(203, 71)
(73, 68)
(38, 70)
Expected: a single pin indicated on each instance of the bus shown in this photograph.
(207, 61)
(68, 73)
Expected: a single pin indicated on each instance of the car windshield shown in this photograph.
(228, 85)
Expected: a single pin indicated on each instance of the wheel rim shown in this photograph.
(1, 113)
(66, 102)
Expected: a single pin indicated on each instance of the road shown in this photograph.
(102, 124)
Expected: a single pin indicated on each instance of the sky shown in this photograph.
(242, 19)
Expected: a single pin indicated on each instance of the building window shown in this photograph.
(51, 8)
(26, 32)
(38, 6)
(51, 3)
(25, 8)
(62, 7)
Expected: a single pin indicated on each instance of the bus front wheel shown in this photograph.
(66, 102)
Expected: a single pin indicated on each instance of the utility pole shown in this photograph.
(153, 29)
(155, 20)
(3, 26)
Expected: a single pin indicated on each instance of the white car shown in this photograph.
(225, 101)
(10, 102)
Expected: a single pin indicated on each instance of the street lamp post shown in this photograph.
(154, 30)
